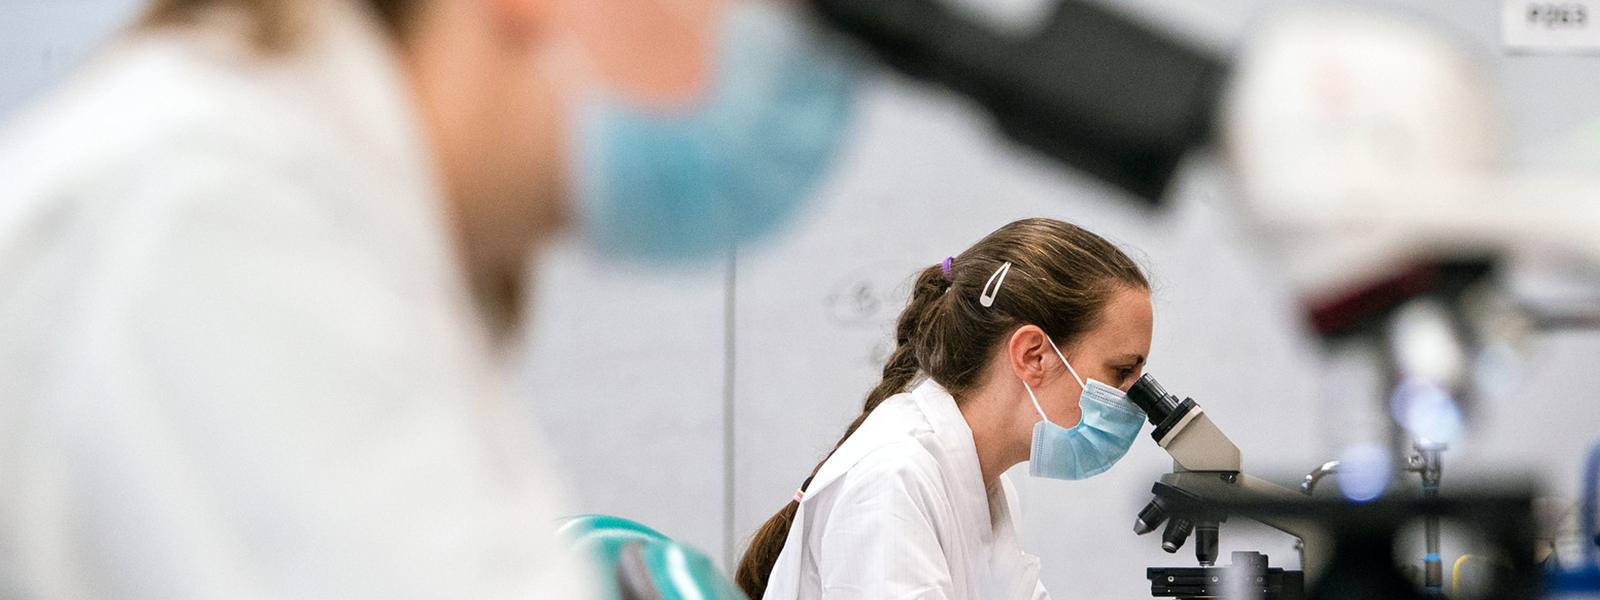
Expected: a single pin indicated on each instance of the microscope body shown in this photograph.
(1207, 472)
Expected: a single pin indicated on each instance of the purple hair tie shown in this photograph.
(946, 268)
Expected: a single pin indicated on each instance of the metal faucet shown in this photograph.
(1310, 484)
(1425, 461)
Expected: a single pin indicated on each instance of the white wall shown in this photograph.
(634, 375)
(627, 374)
(43, 40)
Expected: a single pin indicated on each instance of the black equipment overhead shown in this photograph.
(1090, 88)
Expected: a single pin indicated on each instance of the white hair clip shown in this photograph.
(992, 288)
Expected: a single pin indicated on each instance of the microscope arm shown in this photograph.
(1230, 488)
(1207, 471)
(1208, 464)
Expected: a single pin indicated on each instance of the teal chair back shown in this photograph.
(636, 562)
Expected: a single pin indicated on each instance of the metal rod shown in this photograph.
(730, 438)
(1433, 567)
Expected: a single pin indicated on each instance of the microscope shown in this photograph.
(1206, 477)
(1346, 547)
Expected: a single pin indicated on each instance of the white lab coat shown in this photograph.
(238, 357)
(901, 511)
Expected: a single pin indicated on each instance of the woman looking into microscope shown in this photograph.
(1019, 349)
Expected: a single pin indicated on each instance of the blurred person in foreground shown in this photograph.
(260, 261)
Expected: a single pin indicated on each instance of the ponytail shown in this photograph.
(902, 367)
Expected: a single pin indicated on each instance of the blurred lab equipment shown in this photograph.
(1207, 485)
(1358, 138)
(1353, 131)
(1582, 581)
(1363, 143)
(1367, 148)
(1360, 541)
(1089, 87)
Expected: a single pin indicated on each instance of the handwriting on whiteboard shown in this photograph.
(871, 297)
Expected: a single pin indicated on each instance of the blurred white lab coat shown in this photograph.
(238, 358)
(901, 511)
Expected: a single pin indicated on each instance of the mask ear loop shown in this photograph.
(1069, 370)
(1064, 362)
(1035, 401)
(1063, 358)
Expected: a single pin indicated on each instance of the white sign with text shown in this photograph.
(1551, 25)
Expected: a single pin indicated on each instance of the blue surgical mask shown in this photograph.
(669, 186)
(1109, 426)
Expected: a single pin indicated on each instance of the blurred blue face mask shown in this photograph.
(671, 186)
(1109, 426)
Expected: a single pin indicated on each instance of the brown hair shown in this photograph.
(1061, 278)
(274, 23)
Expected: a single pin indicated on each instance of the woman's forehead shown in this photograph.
(1125, 328)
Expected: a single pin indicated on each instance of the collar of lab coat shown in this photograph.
(954, 449)
(959, 456)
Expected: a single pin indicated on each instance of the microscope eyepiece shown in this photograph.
(1164, 410)
(1154, 400)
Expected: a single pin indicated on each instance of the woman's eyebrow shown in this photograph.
(1136, 359)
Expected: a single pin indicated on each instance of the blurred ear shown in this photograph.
(656, 52)
(1025, 351)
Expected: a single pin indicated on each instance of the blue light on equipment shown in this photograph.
(1364, 471)
(1427, 410)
